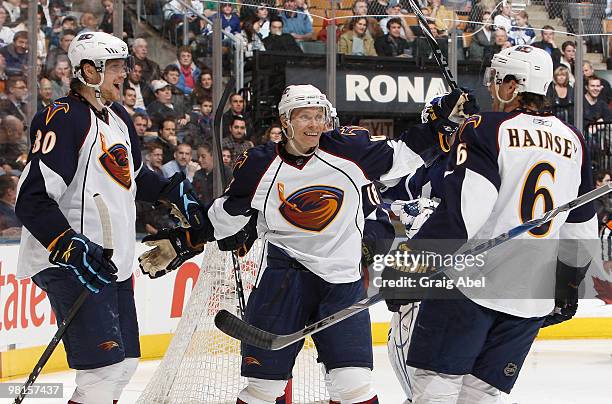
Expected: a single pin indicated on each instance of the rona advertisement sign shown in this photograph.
(370, 91)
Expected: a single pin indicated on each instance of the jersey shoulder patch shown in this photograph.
(353, 130)
(66, 111)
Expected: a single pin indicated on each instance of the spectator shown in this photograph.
(394, 11)
(189, 72)
(595, 110)
(162, 107)
(444, 18)
(144, 93)
(483, 39)
(180, 101)
(561, 95)
(203, 88)
(200, 124)
(88, 22)
(423, 49)
(504, 18)
(141, 124)
(251, 38)
(237, 141)
(10, 226)
(278, 41)
(154, 158)
(106, 25)
(13, 8)
(13, 141)
(548, 43)
(60, 77)
(203, 178)
(41, 36)
(45, 93)
(15, 102)
(392, 44)
(16, 54)
(181, 163)
(3, 76)
(296, 24)
(150, 69)
(377, 8)
(229, 19)
(274, 134)
(227, 155)
(357, 40)
(522, 33)
(263, 16)
(606, 91)
(62, 50)
(236, 109)
(603, 204)
(6, 34)
(129, 102)
(167, 139)
(568, 56)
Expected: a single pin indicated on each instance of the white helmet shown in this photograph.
(97, 48)
(302, 96)
(532, 67)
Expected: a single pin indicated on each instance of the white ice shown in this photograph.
(560, 372)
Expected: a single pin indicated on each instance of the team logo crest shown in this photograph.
(249, 360)
(116, 164)
(54, 109)
(108, 345)
(510, 369)
(311, 208)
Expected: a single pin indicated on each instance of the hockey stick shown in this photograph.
(239, 329)
(107, 244)
(218, 132)
(437, 52)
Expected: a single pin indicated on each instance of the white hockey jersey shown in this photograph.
(505, 169)
(76, 154)
(311, 207)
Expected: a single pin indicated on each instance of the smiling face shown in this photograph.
(114, 74)
(307, 125)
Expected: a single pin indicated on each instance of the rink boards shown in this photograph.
(27, 323)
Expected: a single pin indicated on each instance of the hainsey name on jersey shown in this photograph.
(505, 169)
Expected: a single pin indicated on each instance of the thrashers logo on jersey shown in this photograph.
(311, 208)
(54, 109)
(116, 163)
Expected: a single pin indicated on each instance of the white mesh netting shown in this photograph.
(202, 365)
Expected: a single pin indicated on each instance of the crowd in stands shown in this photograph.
(171, 106)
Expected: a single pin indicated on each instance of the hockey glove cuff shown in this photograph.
(172, 247)
(184, 203)
(85, 259)
(568, 279)
(242, 241)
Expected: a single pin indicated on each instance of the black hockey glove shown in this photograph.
(183, 201)
(85, 259)
(172, 248)
(568, 280)
(242, 241)
(445, 113)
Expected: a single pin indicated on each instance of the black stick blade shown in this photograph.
(239, 329)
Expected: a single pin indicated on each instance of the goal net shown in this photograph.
(202, 365)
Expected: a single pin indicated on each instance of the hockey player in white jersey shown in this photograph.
(505, 168)
(307, 192)
(85, 144)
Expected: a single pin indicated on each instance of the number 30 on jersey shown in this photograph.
(44, 143)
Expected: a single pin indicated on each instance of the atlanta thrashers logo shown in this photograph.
(249, 360)
(108, 345)
(116, 163)
(311, 208)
